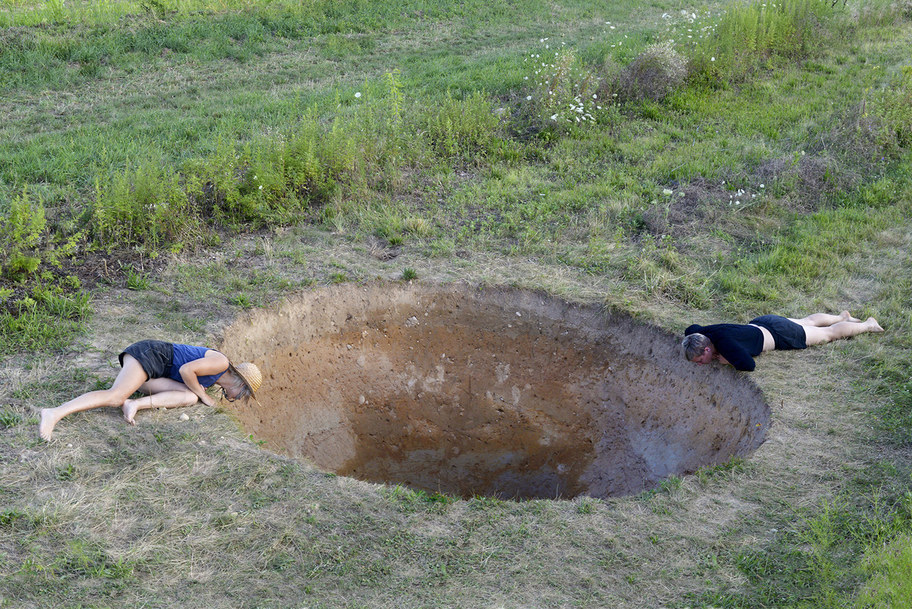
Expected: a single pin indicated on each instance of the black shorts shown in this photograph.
(155, 357)
(786, 333)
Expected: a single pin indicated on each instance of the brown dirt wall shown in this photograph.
(486, 391)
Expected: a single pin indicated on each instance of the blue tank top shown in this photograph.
(188, 353)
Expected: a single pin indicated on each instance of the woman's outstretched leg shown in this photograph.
(128, 380)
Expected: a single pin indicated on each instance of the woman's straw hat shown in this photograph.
(250, 374)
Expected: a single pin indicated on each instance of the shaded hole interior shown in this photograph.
(493, 392)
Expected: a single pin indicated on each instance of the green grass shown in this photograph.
(820, 558)
(248, 150)
(889, 568)
(48, 324)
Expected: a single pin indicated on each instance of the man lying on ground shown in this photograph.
(737, 344)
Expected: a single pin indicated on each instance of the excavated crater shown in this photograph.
(486, 391)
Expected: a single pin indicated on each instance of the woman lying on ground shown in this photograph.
(736, 344)
(170, 374)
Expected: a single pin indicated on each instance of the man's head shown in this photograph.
(698, 348)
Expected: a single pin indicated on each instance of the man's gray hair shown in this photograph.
(694, 344)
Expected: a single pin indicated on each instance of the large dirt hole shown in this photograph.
(487, 391)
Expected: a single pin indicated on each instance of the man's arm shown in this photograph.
(734, 353)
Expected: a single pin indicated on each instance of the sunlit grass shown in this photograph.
(102, 12)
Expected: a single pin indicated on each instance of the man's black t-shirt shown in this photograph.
(737, 343)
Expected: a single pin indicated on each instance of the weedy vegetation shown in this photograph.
(167, 164)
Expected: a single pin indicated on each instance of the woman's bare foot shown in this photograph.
(46, 425)
(873, 325)
(129, 411)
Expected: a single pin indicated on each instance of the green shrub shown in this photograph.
(654, 73)
(319, 161)
(275, 181)
(144, 206)
(463, 129)
(22, 229)
(213, 183)
(565, 93)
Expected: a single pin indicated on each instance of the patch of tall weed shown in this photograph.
(145, 205)
(749, 34)
(22, 232)
(40, 306)
(564, 92)
(893, 106)
(296, 176)
(463, 129)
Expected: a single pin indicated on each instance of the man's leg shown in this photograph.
(824, 319)
(843, 329)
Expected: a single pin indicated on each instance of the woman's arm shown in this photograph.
(213, 362)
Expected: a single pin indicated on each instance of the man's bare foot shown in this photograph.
(46, 425)
(873, 325)
(846, 316)
(129, 411)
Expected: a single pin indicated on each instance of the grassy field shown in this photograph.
(166, 165)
